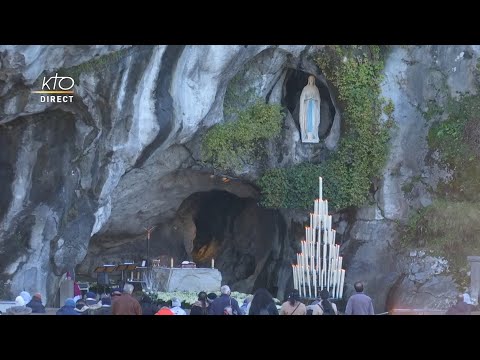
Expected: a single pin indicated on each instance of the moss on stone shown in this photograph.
(231, 145)
(95, 64)
(356, 73)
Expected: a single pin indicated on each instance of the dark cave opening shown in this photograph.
(214, 218)
(235, 232)
(215, 215)
(224, 223)
(295, 81)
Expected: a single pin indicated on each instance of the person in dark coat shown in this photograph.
(200, 307)
(262, 303)
(148, 307)
(36, 304)
(106, 308)
(68, 308)
(220, 304)
(460, 308)
(211, 297)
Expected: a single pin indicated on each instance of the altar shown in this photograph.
(186, 279)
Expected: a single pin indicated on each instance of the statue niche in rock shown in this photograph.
(309, 115)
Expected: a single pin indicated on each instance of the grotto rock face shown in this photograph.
(414, 76)
(83, 180)
(124, 155)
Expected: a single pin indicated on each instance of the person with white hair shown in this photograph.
(177, 307)
(26, 296)
(224, 304)
(19, 308)
(126, 304)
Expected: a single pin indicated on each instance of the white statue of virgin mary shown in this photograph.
(310, 112)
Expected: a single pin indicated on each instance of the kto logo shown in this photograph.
(60, 85)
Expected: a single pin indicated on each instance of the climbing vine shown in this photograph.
(233, 144)
(355, 71)
(448, 226)
(457, 141)
(95, 64)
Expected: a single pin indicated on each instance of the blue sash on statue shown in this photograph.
(310, 115)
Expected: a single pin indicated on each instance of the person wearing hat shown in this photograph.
(81, 307)
(36, 304)
(176, 307)
(106, 308)
(92, 303)
(19, 308)
(91, 298)
(68, 308)
(115, 294)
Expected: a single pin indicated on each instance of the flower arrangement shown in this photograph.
(189, 298)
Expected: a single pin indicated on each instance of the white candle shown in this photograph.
(342, 279)
(315, 282)
(297, 275)
(303, 281)
(312, 245)
(213, 263)
(337, 282)
(320, 187)
(333, 284)
(321, 279)
(309, 282)
(326, 207)
(171, 262)
(319, 234)
(329, 279)
(294, 277)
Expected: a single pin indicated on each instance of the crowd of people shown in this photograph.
(260, 303)
(26, 304)
(122, 302)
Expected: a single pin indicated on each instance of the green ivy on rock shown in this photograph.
(231, 145)
(355, 71)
